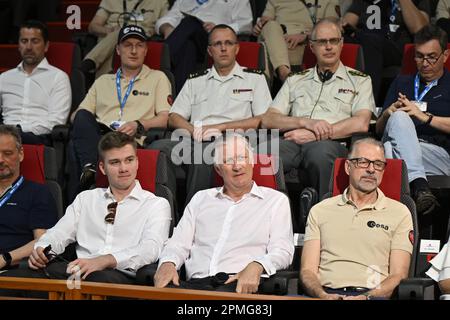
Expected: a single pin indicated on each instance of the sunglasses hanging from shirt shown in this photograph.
(134, 16)
(312, 9)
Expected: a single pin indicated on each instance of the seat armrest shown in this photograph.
(144, 276)
(278, 284)
(154, 134)
(60, 132)
(417, 289)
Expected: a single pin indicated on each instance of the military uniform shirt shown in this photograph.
(355, 244)
(213, 99)
(151, 11)
(347, 92)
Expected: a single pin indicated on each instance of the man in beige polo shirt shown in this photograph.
(284, 27)
(110, 17)
(133, 100)
(357, 245)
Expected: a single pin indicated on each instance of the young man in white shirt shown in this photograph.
(117, 230)
(35, 95)
(229, 238)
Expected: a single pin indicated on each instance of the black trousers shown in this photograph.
(379, 52)
(57, 270)
(187, 45)
(208, 284)
(31, 138)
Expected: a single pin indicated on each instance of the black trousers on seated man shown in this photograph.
(209, 284)
(57, 270)
(187, 46)
(314, 159)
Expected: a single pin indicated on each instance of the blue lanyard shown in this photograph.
(200, 2)
(11, 191)
(394, 7)
(425, 91)
(119, 92)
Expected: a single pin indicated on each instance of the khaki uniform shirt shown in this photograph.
(149, 96)
(355, 244)
(296, 16)
(347, 92)
(148, 12)
(212, 99)
(443, 9)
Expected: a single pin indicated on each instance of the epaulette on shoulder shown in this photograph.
(357, 73)
(257, 71)
(198, 74)
(299, 73)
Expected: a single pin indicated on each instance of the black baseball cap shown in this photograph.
(131, 31)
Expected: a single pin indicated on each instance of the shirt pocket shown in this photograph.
(344, 102)
(198, 104)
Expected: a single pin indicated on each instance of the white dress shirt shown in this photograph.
(216, 234)
(235, 13)
(37, 101)
(213, 99)
(440, 265)
(135, 239)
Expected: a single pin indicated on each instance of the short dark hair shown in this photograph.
(36, 24)
(221, 27)
(114, 139)
(12, 131)
(431, 32)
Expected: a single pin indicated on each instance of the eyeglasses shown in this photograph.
(236, 160)
(431, 60)
(111, 216)
(226, 43)
(365, 163)
(324, 42)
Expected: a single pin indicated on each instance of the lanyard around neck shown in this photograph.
(11, 191)
(123, 101)
(418, 97)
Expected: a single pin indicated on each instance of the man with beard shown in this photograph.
(27, 209)
(357, 244)
(35, 95)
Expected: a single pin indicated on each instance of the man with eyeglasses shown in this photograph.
(132, 100)
(110, 17)
(382, 28)
(117, 230)
(318, 109)
(224, 97)
(284, 27)
(186, 26)
(415, 123)
(229, 238)
(358, 244)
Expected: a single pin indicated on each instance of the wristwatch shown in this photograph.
(140, 129)
(430, 117)
(8, 259)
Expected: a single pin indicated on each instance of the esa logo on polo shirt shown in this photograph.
(373, 224)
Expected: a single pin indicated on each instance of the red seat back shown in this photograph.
(263, 172)
(351, 56)
(408, 63)
(390, 185)
(32, 166)
(148, 161)
(59, 54)
(58, 31)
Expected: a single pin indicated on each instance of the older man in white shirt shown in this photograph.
(117, 230)
(35, 95)
(440, 270)
(230, 237)
(186, 26)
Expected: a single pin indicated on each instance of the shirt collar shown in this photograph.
(255, 191)
(141, 75)
(137, 192)
(379, 204)
(340, 73)
(43, 65)
(236, 71)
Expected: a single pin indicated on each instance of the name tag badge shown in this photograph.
(139, 17)
(422, 105)
(116, 124)
(393, 27)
